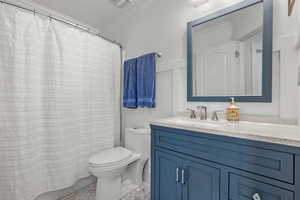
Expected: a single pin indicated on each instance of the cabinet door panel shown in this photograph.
(166, 186)
(202, 182)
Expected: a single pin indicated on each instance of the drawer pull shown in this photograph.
(182, 177)
(177, 175)
(256, 196)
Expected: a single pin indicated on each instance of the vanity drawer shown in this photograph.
(265, 162)
(242, 188)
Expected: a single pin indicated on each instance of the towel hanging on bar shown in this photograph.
(140, 81)
(146, 80)
(130, 84)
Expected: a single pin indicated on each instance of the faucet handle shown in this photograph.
(193, 113)
(216, 115)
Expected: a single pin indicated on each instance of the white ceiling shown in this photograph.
(95, 13)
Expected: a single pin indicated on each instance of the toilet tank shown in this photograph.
(138, 141)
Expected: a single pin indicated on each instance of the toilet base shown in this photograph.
(109, 188)
(135, 171)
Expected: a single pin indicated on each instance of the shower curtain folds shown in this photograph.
(59, 102)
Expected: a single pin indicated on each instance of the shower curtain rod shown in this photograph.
(158, 54)
(65, 21)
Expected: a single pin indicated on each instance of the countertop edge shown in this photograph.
(247, 136)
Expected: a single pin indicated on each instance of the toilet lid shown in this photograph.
(110, 156)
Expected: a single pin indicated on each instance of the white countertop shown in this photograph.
(265, 132)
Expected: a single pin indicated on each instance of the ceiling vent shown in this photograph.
(121, 3)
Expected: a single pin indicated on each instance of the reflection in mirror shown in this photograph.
(227, 54)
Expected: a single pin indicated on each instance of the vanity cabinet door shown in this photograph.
(167, 177)
(201, 182)
(243, 188)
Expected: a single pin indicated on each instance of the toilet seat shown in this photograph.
(111, 157)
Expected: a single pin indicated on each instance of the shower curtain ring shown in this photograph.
(34, 12)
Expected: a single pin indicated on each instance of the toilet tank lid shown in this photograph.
(140, 131)
(110, 156)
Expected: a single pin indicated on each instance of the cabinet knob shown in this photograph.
(182, 177)
(177, 175)
(256, 196)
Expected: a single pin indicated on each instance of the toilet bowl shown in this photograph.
(111, 165)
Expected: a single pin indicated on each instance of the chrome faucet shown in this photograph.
(203, 112)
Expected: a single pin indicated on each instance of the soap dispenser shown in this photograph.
(233, 112)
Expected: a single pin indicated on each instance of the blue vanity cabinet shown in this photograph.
(167, 176)
(189, 165)
(177, 178)
(201, 181)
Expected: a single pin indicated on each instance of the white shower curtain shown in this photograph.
(59, 102)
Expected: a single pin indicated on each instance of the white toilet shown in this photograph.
(111, 165)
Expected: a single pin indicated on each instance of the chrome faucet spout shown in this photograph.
(203, 112)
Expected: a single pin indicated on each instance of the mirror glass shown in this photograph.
(227, 54)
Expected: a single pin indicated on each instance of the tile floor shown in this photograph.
(89, 193)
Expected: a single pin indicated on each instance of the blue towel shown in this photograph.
(146, 77)
(130, 84)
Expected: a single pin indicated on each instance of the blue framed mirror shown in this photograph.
(230, 54)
